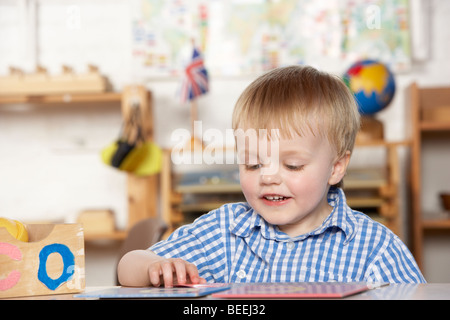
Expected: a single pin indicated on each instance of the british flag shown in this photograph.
(195, 80)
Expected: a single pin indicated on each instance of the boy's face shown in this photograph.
(288, 187)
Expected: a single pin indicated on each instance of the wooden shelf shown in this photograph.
(434, 126)
(365, 178)
(116, 235)
(383, 143)
(430, 114)
(436, 220)
(209, 188)
(62, 98)
(436, 224)
(365, 202)
(201, 207)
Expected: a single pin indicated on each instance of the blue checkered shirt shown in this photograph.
(235, 244)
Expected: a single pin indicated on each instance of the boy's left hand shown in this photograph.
(173, 271)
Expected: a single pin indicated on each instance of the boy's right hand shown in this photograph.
(173, 271)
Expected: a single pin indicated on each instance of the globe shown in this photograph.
(372, 84)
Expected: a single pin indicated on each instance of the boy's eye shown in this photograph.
(293, 167)
(253, 166)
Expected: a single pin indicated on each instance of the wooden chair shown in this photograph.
(142, 235)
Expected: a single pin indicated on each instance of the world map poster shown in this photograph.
(247, 37)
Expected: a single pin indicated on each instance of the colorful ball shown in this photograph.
(15, 228)
(373, 85)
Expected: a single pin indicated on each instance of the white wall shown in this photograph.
(50, 167)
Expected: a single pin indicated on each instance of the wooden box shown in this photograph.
(97, 222)
(51, 262)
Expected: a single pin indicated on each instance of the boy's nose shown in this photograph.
(273, 178)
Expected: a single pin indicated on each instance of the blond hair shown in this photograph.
(298, 98)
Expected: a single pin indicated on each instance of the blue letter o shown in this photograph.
(68, 260)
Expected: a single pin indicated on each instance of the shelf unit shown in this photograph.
(175, 210)
(425, 102)
(373, 189)
(142, 191)
(62, 98)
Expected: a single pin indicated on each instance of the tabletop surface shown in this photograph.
(430, 291)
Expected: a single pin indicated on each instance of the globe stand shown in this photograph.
(371, 129)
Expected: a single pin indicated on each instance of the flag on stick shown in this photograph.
(195, 81)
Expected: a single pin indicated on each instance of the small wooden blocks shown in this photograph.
(40, 82)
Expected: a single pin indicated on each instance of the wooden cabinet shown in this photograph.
(375, 191)
(142, 191)
(430, 110)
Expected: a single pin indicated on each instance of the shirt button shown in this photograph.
(241, 274)
(290, 245)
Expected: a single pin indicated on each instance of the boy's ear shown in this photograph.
(339, 169)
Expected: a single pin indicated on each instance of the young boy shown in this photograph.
(295, 225)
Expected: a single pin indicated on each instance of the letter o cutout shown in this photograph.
(68, 260)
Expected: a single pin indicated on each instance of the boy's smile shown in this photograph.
(275, 199)
(290, 191)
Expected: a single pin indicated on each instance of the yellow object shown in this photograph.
(150, 160)
(372, 76)
(143, 160)
(15, 228)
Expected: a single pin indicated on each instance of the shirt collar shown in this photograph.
(341, 217)
(246, 220)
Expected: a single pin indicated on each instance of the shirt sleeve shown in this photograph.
(395, 265)
(199, 243)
